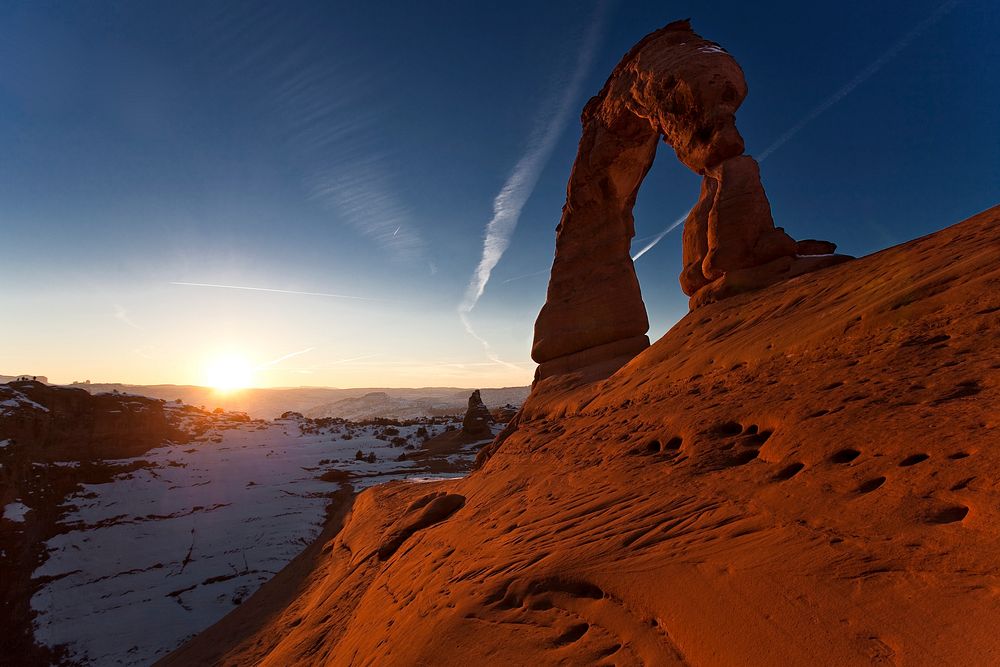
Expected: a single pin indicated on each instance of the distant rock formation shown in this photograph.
(677, 85)
(505, 413)
(477, 417)
(59, 422)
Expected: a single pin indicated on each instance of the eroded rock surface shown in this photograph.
(803, 475)
(676, 85)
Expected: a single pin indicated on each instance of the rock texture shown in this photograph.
(803, 475)
(477, 418)
(675, 85)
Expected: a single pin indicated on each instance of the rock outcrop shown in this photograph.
(68, 423)
(505, 413)
(477, 418)
(675, 85)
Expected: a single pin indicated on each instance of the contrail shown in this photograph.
(487, 348)
(825, 105)
(519, 186)
(521, 183)
(279, 291)
(122, 315)
(338, 362)
(526, 275)
(282, 358)
(861, 77)
(659, 237)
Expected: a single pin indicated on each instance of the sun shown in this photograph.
(229, 373)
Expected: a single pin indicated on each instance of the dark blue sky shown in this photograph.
(357, 148)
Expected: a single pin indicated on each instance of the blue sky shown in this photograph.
(358, 148)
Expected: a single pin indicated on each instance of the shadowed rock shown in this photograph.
(422, 513)
(477, 417)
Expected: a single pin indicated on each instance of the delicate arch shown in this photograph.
(676, 85)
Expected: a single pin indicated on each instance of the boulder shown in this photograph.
(814, 247)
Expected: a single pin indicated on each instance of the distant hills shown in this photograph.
(359, 403)
(412, 403)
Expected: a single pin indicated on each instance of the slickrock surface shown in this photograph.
(675, 85)
(804, 474)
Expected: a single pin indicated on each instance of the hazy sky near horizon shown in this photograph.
(361, 152)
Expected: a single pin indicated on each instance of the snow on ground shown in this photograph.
(17, 401)
(15, 512)
(160, 553)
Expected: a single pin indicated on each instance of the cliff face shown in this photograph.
(52, 439)
(799, 475)
(71, 424)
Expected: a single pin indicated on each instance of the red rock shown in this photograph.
(694, 244)
(794, 476)
(676, 85)
(814, 247)
(741, 232)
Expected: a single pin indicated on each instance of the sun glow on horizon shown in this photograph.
(228, 373)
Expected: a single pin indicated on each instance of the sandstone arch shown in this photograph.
(676, 85)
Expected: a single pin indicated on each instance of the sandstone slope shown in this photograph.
(800, 475)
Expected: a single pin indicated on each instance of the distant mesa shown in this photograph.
(676, 85)
(477, 418)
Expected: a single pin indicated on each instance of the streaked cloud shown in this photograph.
(279, 291)
(313, 100)
(122, 316)
(487, 348)
(521, 183)
(290, 355)
(526, 275)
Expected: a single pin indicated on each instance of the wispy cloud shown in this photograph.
(521, 183)
(362, 195)
(332, 364)
(122, 316)
(837, 96)
(146, 352)
(290, 355)
(487, 348)
(314, 101)
(279, 291)
(860, 77)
